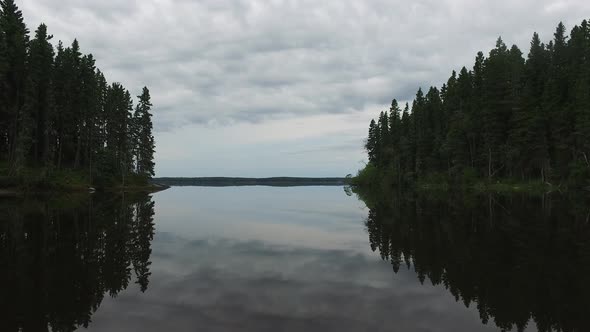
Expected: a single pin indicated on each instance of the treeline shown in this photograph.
(58, 112)
(491, 252)
(506, 118)
(231, 182)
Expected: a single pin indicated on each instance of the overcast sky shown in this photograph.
(284, 87)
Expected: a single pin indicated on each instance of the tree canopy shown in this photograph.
(506, 117)
(57, 111)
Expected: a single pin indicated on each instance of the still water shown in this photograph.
(293, 259)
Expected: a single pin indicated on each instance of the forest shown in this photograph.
(58, 114)
(506, 118)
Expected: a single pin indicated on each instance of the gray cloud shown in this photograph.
(222, 71)
(228, 61)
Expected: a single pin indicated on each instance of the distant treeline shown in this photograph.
(506, 118)
(226, 182)
(58, 112)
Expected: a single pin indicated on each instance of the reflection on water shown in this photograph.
(518, 259)
(294, 259)
(60, 256)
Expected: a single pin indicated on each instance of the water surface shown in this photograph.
(292, 259)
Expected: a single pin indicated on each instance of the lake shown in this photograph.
(294, 259)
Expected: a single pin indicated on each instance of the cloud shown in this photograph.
(223, 63)
(250, 60)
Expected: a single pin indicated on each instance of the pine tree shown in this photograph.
(580, 97)
(371, 143)
(506, 118)
(144, 139)
(528, 137)
(395, 132)
(458, 144)
(407, 147)
(39, 102)
(498, 104)
(16, 125)
(555, 103)
(119, 140)
(384, 152)
(57, 110)
(421, 135)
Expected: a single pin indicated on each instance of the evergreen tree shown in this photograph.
(407, 146)
(371, 143)
(16, 124)
(507, 118)
(144, 139)
(57, 110)
(529, 151)
(384, 150)
(555, 101)
(580, 98)
(39, 102)
(497, 106)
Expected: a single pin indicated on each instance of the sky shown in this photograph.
(284, 87)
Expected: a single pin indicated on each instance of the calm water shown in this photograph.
(293, 259)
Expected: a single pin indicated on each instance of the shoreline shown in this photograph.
(16, 191)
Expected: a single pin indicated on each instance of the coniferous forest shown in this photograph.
(58, 114)
(516, 116)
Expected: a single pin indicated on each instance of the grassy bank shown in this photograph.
(33, 180)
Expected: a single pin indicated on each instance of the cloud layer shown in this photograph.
(222, 63)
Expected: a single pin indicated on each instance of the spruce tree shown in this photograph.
(555, 103)
(39, 102)
(16, 125)
(497, 106)
(529, 151)
(371, 143)
(144, 139)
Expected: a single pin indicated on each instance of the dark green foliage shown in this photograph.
(143, 138)
(506, 118)
(57, 111)
(14, 121)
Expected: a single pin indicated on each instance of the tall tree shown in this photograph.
(16, 36)
(39, 102)
(144, 138)
(372, 142)
(529, 149)
(497, 106)
(507, 118)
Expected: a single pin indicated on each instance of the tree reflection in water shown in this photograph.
(60, 256)
(520, 259)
